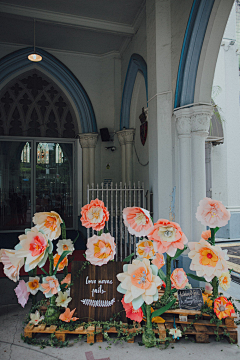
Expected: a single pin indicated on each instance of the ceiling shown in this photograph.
(95, 27)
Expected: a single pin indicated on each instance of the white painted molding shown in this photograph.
(88, 140)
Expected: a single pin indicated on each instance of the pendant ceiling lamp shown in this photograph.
(34, 56)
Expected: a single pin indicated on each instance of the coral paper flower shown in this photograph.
(139, 283)
(206, 234)
(168, 237)
(22, 293)
(33, 285)
(223, 308)
(179, 278)
(68, 315)
(207, 260)
(65, 245)
(145, 249)
(158, 260)
(11, 263)
(50, 286)
(212, 213)
(35, 247)
(137, 220)
(66, 280)
(135, 315)
(49, 223)
(176, 333)
(63, 299)
(225, 280)
(100, 249)
(94, 215)
(35, 318)
(62, 264)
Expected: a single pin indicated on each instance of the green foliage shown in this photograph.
(63, 255)
(179, 252)
(162, 275)
(195, 277)
(128, 258)
(162, 310)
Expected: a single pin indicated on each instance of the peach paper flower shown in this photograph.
(94, 215)
(11, 264)
(206, 234)
(158, 260)
(67, 316)
(179, 278)
(212, 213)
(66, 280)
(137, 220)
(49, 223)
(145, 249)
(62, 264)
(207, 260)
(225, 280)
(135, 315)
(223, 308)
(100, 249)
(168, 237)
(50, 286)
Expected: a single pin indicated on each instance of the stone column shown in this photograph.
(200, 121)
(183, 123)
(126, 140)
(88, 143)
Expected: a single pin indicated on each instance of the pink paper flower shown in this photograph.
(158, 260)
(22, 293)
(212, 213)
(94, 215)
(179, 278)
(137, 220)
(208, 288)
(49, 223)
(206, 235)
(168, 237)
(100, 249)
(135, 315)
(12, 263)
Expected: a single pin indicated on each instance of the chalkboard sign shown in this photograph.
(94, 294)
(190, 299)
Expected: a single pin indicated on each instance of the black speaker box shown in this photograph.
(105, 136)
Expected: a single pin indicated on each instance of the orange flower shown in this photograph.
(225, 280)
(212, 213)
(49, 223)
(68, 315)
(179, 278)
(207, 300)
(66, 280)
(208, 257)
(206, 234)
(62, 264)
(94, 215)
(223, 308)
(145, 249)
(159, 260)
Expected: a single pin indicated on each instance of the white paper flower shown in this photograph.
(63, 299)
(33, 285)
(176, 333)
(35, 318)
(65, 245)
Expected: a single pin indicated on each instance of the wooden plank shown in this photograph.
(200, 328)
(202, 338)
(162, 332)
(99, 335)
(197, 322)
(90, 334)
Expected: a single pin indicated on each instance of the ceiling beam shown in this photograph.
(66, 19)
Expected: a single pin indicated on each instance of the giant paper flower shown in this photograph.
(212, 213)
(158, 260)
(50, 286)
(139, 283)
(22, 293)
(135, 315)
(11, 263)
(63, 299)
(179, 278)
(223, 308)
(168, 237)
(65, 245)
(49, 223)
(100, 249)
(207, 260)
(67, 316)
(176, 333)
(225, 280)
(35, 318)
(145, 249)
(206, 234)
(33, 285)
(62, 264)
(137, 220)
(94, 215)
(35, 247)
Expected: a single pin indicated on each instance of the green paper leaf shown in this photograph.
(128, 258)
(195, 277)
(144, 309)
(65, 253)
(216, 229)
(45, 272)
(159, 312)
(76, 238)
(162, 275)
(179, 252)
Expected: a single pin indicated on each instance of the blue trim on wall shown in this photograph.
(136, 63)
(191, 51)
(18, 60)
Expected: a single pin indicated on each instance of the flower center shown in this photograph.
(65, 247)
(102, 250)
(209, 255)
(168, 233)
(141, 278)
(51, 284)
(140, 219)
(95, 215)
(37, 246)
(51, 223)
(33, 284)
(222, 308)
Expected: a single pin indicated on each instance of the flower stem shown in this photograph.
(215, 287)
(64, 233)
(168, 277)
(149, 321)
(212, 236)
(53, 298)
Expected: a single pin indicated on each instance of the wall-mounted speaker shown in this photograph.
(105, 136)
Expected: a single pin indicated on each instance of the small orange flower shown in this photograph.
(208, 257)
(179, 278)
(50, 286)
(62, 264)
(66, 280)
(206, 234)
(207, 300)
(223, 308)
(159, 260)
(94, 215)
(67, 316)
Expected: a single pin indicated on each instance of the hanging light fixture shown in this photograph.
(34, 56)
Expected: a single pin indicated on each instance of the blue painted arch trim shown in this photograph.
(191, 51)
(136, 63)
(18, 60)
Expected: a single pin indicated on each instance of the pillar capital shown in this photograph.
(200, 118)
(183, 121)
(88, 140)
(126, 136)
